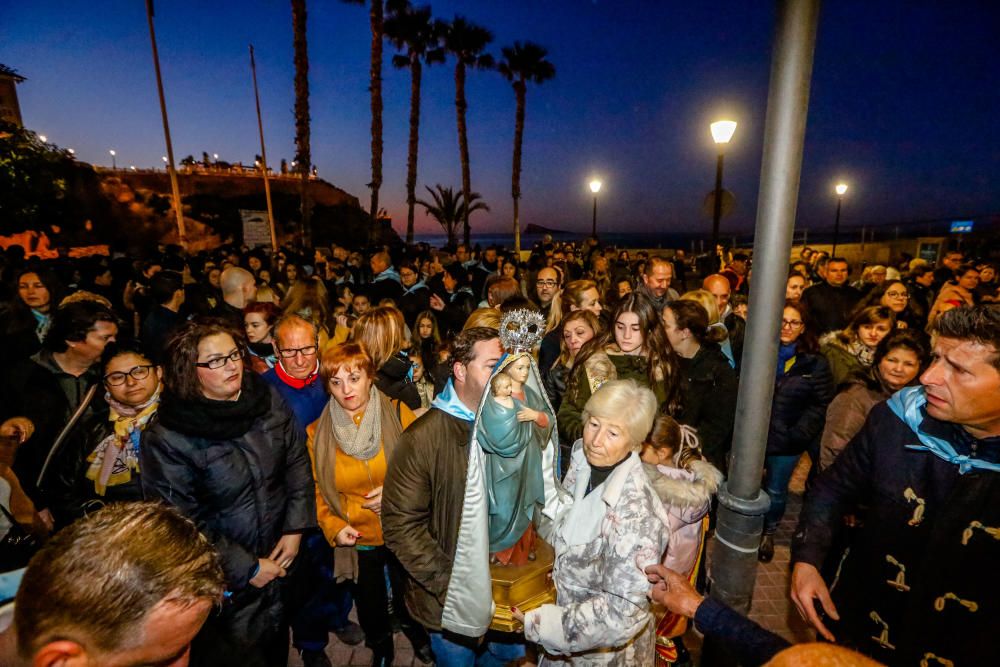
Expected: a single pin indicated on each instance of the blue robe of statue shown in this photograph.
(513, 466)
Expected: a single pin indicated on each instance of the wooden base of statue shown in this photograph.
(523, 586)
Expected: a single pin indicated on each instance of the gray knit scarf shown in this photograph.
(360, 441)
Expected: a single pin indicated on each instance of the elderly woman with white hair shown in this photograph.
(604, 536)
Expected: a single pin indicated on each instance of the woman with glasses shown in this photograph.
(894, 295)
(225, 451)
(803, 388)
(99, 464)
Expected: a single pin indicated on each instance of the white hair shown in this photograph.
(626, 402)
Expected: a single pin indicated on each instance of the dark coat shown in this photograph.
(37, 388)
(387, 288)
(243, 493)
(157, 328)
(71, 493)
(830, 306)
(423, 490)
(944, 548)
(412, 303)
(708, 401)
(393, 380)
(798, 409)
(555, 384)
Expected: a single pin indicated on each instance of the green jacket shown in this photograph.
(586, 378)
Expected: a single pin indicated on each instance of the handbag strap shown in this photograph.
(66, 429)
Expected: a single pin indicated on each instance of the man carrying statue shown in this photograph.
(466, 487)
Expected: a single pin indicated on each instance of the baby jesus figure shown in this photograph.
(513, 428)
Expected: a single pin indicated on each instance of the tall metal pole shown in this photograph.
(717, 213)
(742, 504)
(181, 235)
(593, 231)
(836, 228)
(263, 156)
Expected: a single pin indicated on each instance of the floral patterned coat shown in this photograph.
(603, 540)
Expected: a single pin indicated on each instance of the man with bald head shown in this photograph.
(385, 283)
(721, 289)
(238, 290)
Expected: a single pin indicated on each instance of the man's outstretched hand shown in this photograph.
(807, 586)
(673, 591)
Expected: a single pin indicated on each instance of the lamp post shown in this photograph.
(113, 163)
(840, 189)
(722, 132)
(595, 187)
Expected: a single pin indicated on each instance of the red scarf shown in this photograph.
(295, 383)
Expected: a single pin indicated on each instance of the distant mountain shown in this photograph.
(538, 229)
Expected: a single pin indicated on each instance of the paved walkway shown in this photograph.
(772, 607)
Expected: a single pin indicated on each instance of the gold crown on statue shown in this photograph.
(521, 330)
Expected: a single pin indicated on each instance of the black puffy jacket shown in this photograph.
(708, 401)
(244, 493)
(798, 410)
(393, 380)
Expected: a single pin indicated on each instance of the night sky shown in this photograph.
(903, 104)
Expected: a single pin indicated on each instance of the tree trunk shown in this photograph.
(376, 92)
(303, 155)
(515, 185)
(411, 163)
(463, 145)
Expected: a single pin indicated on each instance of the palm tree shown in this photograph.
(467, 43)
(377, 18)
(303, 158)
(413, 33)
(450, 210)
(520, 64)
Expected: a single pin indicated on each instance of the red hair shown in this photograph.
(347, 355)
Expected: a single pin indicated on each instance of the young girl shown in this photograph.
(685, 483)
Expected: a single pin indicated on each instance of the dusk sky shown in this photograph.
(903, 104)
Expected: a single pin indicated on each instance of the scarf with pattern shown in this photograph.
(116, 457)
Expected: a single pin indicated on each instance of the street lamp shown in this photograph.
(722, 132)
(44, 139)
(840, 189)
(113, 154)
(595, 187)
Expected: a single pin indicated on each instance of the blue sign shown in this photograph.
(961, 227)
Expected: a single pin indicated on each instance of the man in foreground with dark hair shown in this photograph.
(129, 585)
(423, 491)
(920, 585)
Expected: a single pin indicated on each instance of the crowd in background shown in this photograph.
(216, 383)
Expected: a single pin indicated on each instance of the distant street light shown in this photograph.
(164, 158)
(595, 187)
(132, 167)
(215, 156)
(71, 151)
(114, 165)
(722, 132)
(44, 139)
(840, 189)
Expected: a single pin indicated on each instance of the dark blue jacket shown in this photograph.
(306, 404)
(798, 409)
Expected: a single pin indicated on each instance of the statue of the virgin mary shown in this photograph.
(515, 428)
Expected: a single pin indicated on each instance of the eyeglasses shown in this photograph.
(307, 351)
(791, 324)
(547, 283)
(897, 295)
(219, 362)
(118, 378)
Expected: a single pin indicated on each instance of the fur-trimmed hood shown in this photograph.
(683, 489)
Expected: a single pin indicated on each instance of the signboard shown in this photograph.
(961, 227)
(256, 230)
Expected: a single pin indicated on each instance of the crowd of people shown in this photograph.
(311, 415)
